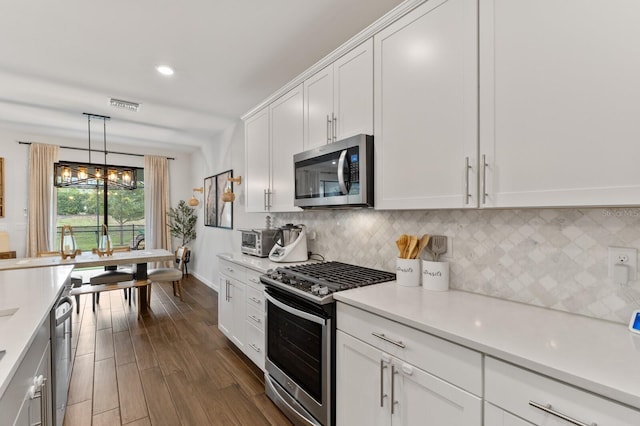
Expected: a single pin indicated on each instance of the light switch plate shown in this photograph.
(623, 256)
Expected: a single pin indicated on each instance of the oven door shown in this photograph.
(298, 348)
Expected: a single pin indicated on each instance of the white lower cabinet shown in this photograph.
(376, 385)
(241, 310)
(231, 309)
(544, 401)
(27, 400)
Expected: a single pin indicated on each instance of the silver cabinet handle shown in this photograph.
(255, 318)
(229, 269)
(393, 398)
(386, 339)
(227, 296)
(382, 394)
(254, 347)
(548, 409)
(484, 179)
(267, 199)
(39, 390)
(467, 167)
(328, 129)
(334, 126)
(255, 300)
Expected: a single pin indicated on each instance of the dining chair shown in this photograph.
(76, 279)
(112, 276)
(172, 274)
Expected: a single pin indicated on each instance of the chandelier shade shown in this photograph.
(86, 175)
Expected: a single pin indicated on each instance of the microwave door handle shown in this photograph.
(341, 179)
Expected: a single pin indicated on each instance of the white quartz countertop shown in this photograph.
(33, 292)
(259, 264)
(592, 354)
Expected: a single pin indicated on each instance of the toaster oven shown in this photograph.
(257, 242)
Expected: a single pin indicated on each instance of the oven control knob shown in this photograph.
(323, 291)
(293, 281)
(315, 288)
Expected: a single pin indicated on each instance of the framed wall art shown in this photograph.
(217, 212)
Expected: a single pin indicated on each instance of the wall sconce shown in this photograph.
(193, 201)
(228, 196)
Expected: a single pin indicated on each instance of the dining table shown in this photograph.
(87, 259)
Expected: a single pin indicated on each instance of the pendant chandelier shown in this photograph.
(93, 175)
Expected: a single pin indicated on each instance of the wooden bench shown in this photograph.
(122, 285)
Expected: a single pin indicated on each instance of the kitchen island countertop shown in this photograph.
(33, 292)
(592, 354)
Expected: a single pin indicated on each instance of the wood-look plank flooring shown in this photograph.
(170, 367)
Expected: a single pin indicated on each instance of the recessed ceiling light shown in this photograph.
(164, 70)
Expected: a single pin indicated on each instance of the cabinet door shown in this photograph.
(426, 108)
(231, 309)
(256, 173)
(318, 108)
(286, 140)
(559, 102)
(362, 383)
(353, 92)
(423, 399)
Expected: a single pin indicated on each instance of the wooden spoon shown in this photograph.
(402, 243)
(412, 247)
(422, 244)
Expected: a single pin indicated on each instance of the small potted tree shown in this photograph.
(182, 224)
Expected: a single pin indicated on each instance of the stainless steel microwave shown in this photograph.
(338, 174)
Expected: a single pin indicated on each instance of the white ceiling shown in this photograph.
(60, 58)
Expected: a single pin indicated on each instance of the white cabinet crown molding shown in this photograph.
(390, 17)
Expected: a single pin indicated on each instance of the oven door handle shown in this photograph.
(294, 311)
(67, 314)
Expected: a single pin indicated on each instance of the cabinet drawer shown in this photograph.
(255, 316)
(254, 348)
(232, 270)
(255, 298)
(448, 361)
(253, 279)
(514, 389)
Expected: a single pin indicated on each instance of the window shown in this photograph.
(83, 209)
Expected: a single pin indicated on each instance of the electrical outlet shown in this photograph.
(623, 256)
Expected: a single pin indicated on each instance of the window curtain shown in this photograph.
(41, 221)
(156, 202)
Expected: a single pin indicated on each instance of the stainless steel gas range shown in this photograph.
(300, 335)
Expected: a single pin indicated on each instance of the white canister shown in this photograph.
(435, 275)
(408, 272)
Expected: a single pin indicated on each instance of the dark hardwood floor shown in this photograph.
(170, 367)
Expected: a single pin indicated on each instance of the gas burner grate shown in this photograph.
(340, 275)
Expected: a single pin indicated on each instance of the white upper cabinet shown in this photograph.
(560, 102)
(426, 108)
(338, 100)
(286, 140)
(257, 154)
(272, 136)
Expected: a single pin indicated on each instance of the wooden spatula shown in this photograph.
(412, 248)
(402, 244)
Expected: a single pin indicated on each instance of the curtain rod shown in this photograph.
(96, 150)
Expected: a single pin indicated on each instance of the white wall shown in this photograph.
(16, 174)
(225, 153)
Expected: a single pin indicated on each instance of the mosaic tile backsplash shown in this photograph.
(554, 258)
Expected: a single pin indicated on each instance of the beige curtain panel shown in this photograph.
(41, 221)
(156, 202)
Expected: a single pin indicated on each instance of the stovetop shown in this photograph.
(317, 281)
